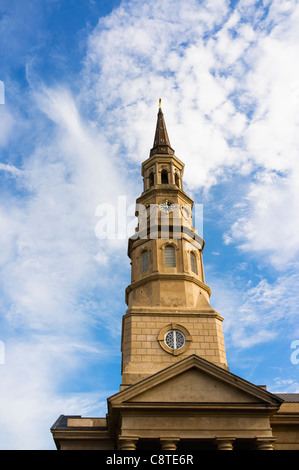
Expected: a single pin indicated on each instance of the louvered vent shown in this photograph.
(193, 262)
(169, 256)
(144, 261)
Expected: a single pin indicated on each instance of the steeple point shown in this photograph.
(161, 140)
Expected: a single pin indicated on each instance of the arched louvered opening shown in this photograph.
(144, 261)
(169, 255)
(151, 179)
(164, 177)
(193, 262)
(177, 180)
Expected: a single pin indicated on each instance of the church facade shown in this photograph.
(177, 392)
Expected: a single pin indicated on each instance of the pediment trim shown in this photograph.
(194, 362)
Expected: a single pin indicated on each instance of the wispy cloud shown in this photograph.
(50, 267)
(257, 312)
(10, 169)
(52, 230)
(29, 397)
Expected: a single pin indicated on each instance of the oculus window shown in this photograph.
(174, 339)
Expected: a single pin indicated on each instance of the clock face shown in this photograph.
(186, 212)
(166, 206)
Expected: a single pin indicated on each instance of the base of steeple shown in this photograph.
(145, 352)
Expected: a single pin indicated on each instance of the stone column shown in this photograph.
(225, 443)
(265, 443)
(169, 443)
(171, 173)
(127, 443)
(156, 173)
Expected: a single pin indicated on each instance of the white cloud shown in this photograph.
(287, 385)
(207, 86)
(10, 169)
(173, 63)
(50, 274)
(230, 102)
(269, 222)
(30, 402)
(261, 308)
(50, 236)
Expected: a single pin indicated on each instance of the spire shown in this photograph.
(161, 140)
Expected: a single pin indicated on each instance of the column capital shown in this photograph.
(169, 443)
(127, 442)
(265, 443)
(225, 443)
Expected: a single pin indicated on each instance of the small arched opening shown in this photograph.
(164, 177)
(169, 256)
(193, 262)
(151, 180)
(144, 261)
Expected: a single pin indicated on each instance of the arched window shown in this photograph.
(164, 177)
(177, 180)
(169, 255)
(144, 261)
(193, 262)
(151, 179)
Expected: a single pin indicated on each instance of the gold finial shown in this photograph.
(160, 103)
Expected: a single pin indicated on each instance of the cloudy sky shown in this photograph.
(81, 81)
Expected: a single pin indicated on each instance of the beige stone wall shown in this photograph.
(195, 425)
(285, 426)
(143, 354)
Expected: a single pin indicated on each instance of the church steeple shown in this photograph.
(162, 167)
(169, 316)
(161, 141)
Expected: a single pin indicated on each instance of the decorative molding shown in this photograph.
(168, 277)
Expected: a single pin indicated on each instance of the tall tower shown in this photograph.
(176, 390)
(169, 316)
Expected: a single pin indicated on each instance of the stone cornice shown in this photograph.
(168, 277)
(267, 399)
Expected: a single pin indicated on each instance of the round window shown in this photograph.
(174, 339)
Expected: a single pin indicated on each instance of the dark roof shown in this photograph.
(161, 140)
(61, 422)
(289, 397)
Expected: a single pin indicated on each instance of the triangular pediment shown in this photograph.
(194, 386)
(197, 381)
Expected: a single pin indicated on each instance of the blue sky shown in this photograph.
(82, 81)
